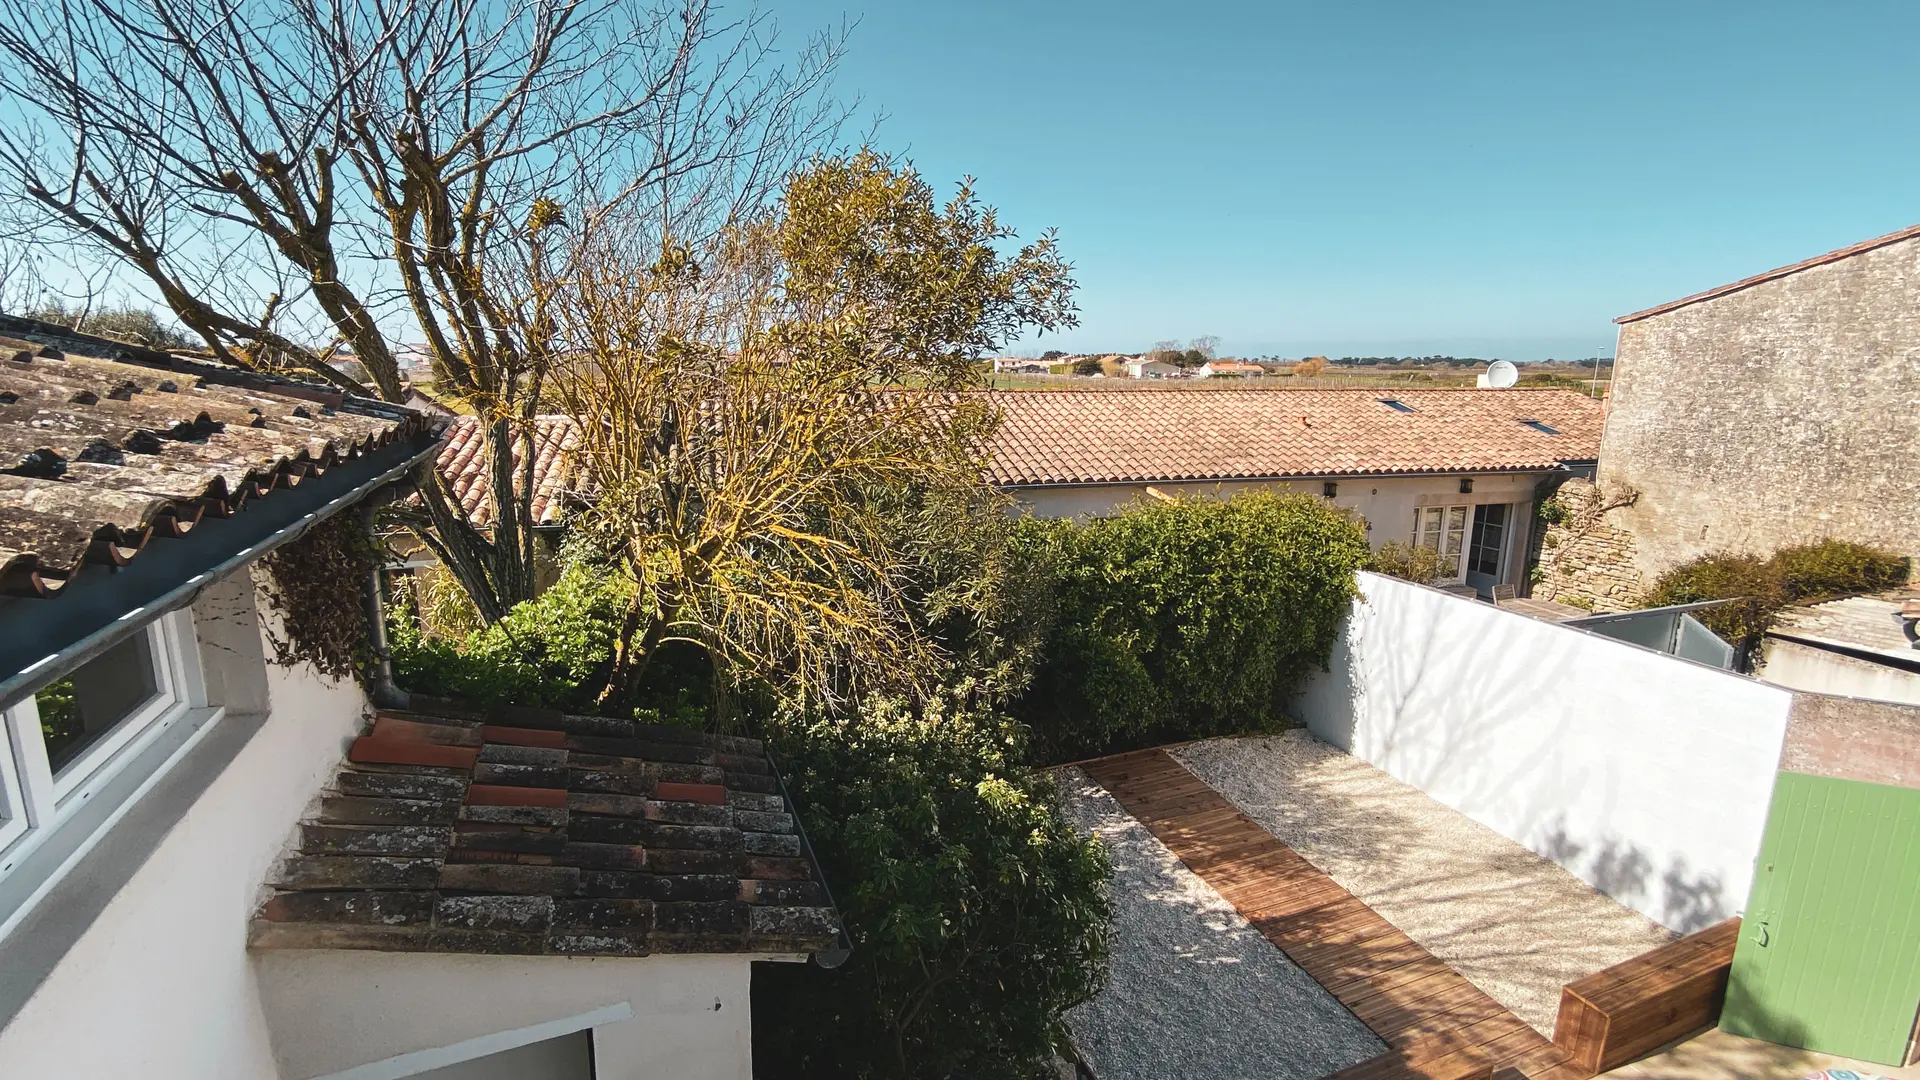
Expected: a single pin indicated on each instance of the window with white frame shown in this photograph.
(1443, 529)
(74, 733)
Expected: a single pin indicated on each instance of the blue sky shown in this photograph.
(1365, 177)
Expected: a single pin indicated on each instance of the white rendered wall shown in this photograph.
(333, 1010)
(1386, 503)
(1645, 775)
(159, 985)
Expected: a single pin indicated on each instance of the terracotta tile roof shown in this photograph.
(510, 830)
(465, 463)
(1134, 436)
(104, 446)
(1862, 247)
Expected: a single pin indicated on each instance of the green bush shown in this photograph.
(551, 652)
(1760, 588)
(1184, 619)
(1408, 562)
(978, 914)
(1834, 568)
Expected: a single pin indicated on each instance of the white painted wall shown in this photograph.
(1805, 667)
(1646, 775)
(158, 985)
(331, 1011)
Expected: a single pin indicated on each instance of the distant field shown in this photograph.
(1332, 380)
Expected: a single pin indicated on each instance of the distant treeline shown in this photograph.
(1453, 361)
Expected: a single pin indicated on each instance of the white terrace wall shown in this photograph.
(1645, 775)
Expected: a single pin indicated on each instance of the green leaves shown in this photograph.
(1185, 619)
(979, 916)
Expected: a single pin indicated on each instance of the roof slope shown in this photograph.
(104, 446)
(1104, 437)
(465, 463)
(515, 830)
(1805, 264)
(1863, 622)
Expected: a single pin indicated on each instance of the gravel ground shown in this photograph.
(1196, 993)
(1517, 926)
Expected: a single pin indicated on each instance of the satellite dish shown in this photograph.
(1502, 374)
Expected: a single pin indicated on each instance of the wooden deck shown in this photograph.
(1436, 1024)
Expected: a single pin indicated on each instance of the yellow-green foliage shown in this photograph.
(1408, 562)
(1185, 619)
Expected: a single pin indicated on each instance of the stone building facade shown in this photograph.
(1583, 558)
(1777, 410)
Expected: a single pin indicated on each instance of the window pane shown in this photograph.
(1489, 527)
(1427, 523)
(1456, 530)
(77, 710)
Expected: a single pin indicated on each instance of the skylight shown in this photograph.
(1540, 427)
(1396, 404)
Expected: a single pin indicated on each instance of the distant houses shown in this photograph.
(1452, 470)
(1237, 369)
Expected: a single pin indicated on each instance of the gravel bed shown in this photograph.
(1516, 925)
(1196, 993)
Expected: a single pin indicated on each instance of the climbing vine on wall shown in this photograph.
(314, 585)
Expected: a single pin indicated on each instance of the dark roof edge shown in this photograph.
(100, 609)
(1860, 248)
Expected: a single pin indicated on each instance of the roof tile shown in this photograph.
(1050, 437)
(612, 853)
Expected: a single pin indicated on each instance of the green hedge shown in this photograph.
(1184, 619)
(978, 914)
(1807, 573)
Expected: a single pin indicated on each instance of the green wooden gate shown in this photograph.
(1829, 952)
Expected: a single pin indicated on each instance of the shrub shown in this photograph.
(1761, 588)
(1408, 562)
(1723, 576)
(552, 651)
(1185, 619)
(1833, 568)
(978, 914)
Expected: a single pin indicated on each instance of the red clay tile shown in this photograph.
(711, 794)
(394, 727)
(520, 736)
(379, 750)
(505, 795)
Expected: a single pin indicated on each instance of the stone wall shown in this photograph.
(1584, 558)
(1782, 413)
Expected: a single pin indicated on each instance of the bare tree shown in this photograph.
(305, 180)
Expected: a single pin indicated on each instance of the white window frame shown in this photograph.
(34, 800)
(1445, 512)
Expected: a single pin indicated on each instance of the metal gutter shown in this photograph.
(43, 639)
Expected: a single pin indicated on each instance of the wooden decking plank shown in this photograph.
(1437, 1024)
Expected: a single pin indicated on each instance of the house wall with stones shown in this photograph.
(1584, 558)
(1782, 412)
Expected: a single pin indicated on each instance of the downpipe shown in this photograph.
(380, 685)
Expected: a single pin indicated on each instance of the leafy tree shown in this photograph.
(749, 402)
(978, 914)
(1051, 355)
(1310, 367)
(1088, 365)
(298, 181)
